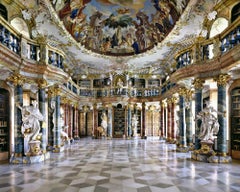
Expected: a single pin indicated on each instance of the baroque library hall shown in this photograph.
(120, 96)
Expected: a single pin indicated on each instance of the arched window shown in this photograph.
(20, 25)
(3, 12)
(218, 27)
(235, 12)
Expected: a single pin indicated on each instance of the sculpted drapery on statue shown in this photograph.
(104, 121)
(209, 123)
(31, 117)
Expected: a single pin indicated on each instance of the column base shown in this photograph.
(208, 155)
(16, 159)
(211, 158)
(58, 149)
(144, 137)
(182, 149)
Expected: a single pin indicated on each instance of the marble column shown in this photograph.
(222, 147)
(187, 94)
(95, 120)
(84, 123)
(182, 124)
(109, 130)
(173, 123)
(143, 129)
(169, 120)
(70, 119)
(129, 121)
(162, 125)
(65, 102)
(74, 121)
(198, 85)
(189, 124)
(42, 83)
(51, 108)
(76, 126)
(57, 128)
(18, 82)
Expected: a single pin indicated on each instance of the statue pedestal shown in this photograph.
(34, 155)
(19, 159)
(207, 154)
(34, 148)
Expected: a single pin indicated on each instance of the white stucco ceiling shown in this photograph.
(83, 61)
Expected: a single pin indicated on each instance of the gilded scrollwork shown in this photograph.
(16, 79)
(42, 83)
(198, 83)
(222, 79)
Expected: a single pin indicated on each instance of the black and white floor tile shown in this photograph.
(118, 165)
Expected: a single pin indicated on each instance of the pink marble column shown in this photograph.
(143, 129)
(162, 123)
(70, 128)
(169, 120)
(95, 120)
(173, 123)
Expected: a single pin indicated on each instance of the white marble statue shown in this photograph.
(31, 117)
(209, 123)
(134, 124)
(104, 121)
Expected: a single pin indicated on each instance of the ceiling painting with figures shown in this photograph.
(119, 27)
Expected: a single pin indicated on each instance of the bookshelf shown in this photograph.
(235, 123)
(84, 83)
(153, 83)
(4, 124)
(118, 122)
(138, 83)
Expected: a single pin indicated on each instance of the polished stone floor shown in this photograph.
(120, 166)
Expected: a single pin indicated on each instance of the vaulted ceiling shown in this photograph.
(105, 36)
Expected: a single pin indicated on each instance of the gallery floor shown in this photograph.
(120, 166)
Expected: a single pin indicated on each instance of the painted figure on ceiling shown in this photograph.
(73, 16)
(110, 26)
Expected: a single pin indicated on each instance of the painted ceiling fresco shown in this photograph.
(119, 27)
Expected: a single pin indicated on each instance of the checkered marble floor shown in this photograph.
(120, 166)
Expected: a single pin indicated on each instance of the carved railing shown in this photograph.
(28, 49)
(39, 51)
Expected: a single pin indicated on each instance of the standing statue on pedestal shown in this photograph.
(208, 131)
(31, 117)
(134, 124)
(104, 121)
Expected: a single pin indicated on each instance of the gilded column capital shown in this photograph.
(57, 91)
(198, 83)
(174, 100)
(50, 92)
(163, 104)
(65, 100)
(130, 106)
(169, 101)
(16, 79)
(109, 106)
(42, 83)
(54, 91)
(222, 79)
(186, 93)
(75, 104)
(85, 108)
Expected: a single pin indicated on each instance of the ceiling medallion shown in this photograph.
(117, 27)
